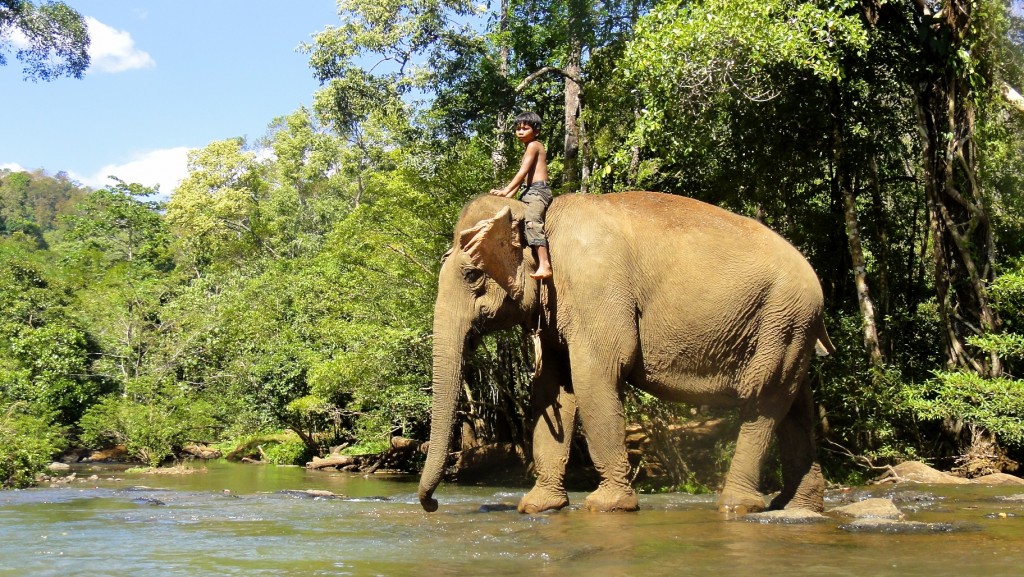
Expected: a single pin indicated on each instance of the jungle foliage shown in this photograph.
(288, 282)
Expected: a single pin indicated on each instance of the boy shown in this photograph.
(537, 194)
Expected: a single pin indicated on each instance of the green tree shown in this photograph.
(51, 39)
(27, 445)
(120, 223)
(216, 211)
(152, 421)
(44, 351)
(313, 181)
(119, 245)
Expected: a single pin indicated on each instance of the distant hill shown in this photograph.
(32, 202)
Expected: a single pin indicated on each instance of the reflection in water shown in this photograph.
(249, 520)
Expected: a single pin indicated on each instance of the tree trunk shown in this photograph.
(884, 253)
(962, 237)
(571, 174)
(498, 158)
(842, 179)
(867, 307)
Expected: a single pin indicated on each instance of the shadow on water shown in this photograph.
(252, 520)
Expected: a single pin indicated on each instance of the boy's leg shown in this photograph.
(537, 202)
(543, 263)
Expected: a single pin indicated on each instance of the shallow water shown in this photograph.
(235, 520)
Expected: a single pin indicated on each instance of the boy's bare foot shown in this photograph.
(543, 264)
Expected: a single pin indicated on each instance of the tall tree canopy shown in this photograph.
(50, 39)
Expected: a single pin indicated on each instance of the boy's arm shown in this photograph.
(529, 163)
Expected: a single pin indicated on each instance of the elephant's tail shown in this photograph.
(822, 345)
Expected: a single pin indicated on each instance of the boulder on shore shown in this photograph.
(999, 479)
(201, 452)
(334, 461)
(918, 472)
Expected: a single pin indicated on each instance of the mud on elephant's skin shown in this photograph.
(675, 297)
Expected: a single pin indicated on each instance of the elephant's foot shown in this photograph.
(740, 504)
(809, 495)
(813, 501)
(541, 499)
(608, 498)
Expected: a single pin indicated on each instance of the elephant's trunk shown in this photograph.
(450, 331)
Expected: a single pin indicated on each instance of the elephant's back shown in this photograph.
(678, 245)
(667, 212)
(655, 220)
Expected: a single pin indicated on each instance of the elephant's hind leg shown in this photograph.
(803, 485)
(741, 494)
(554, 411)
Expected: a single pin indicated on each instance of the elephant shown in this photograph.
(676, 297)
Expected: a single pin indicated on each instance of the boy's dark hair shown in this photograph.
(531, 119)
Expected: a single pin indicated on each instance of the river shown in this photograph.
(231, 519)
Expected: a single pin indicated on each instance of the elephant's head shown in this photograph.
(482, 288)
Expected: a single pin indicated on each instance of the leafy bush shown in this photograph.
(862, 410)
(1007, 292)
(282, 447)
(286, 453)
(152, 429)
(44, 352)
(995, 404)
(1006, 345)
(27, 445)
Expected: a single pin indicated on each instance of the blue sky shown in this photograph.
(165, 77)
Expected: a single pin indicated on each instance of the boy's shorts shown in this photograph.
(537, 197)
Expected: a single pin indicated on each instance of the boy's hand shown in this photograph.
(499, 192)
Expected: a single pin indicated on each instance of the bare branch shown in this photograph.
(552, 69)
(1013, 98)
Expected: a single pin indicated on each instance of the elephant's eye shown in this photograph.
(472, 275)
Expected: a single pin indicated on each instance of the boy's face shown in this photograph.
(525, 133)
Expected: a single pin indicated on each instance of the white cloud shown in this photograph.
(112, 50)
(18, 39)
(166, 168)
(13, 167)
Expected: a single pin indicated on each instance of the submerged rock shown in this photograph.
(899, 527)
(912, 496)
(785, 517)
(311, 494)
(496, 508)
(150, 502)
(874, 508)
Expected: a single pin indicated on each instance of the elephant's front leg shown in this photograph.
(554, 420)
(598, 393)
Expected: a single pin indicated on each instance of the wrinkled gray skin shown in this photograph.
(678, 298)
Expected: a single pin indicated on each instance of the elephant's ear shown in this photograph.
(495, 245)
